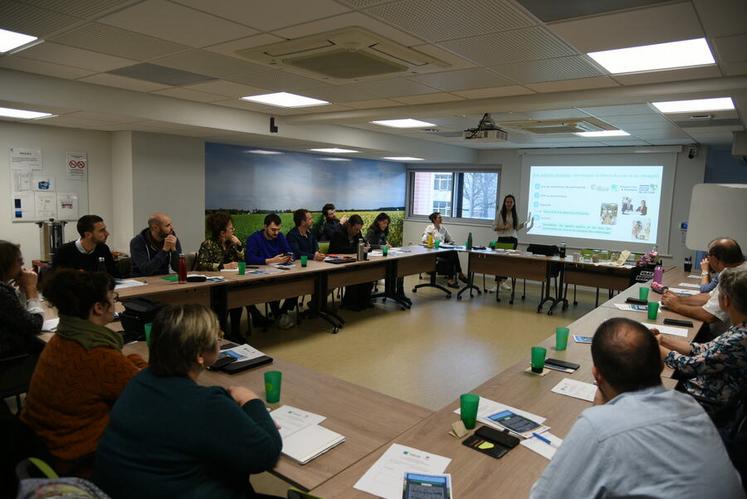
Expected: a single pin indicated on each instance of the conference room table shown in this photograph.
(475, 475)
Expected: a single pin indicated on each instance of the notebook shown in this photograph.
(246, 358)
(311, 442)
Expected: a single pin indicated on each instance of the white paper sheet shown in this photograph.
(23, 208)
(128, 283)
(291, 419)
(631, 307)
(489, 407)
(245, 352)
(576, 389)
(683, 291)
(311, 442)
(42, 183)
(20, 180)
(674, 331)
(28, 159)
(688, 285)
(45, 205)
(542, 448)
(67, 205)
(384, 478)
(50, 324)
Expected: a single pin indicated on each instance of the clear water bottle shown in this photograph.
(562, 250)
(101, 265)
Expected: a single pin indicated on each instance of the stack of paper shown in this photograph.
(303, 437)
(631, 307)
(682, 291)
(127, 283)
(489, 407)
(576, 389)
(674, 331)
(385, 477)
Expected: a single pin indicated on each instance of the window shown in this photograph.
(460, 194)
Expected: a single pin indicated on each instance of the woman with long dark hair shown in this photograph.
(507, 226)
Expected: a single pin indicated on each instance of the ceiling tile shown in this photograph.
(187, 94)
(512, 46)
(372, 103)
(428, 98)
(111, 80)
(731, 48)
(268, 16)
(161, 74)
(735, 68)
(176, 23)
(72, 56)
(102, 117)
(568, 9)
(452, 19)
(43, 68)
(561, 68)
(397, 87)
(452, 60)
(114, 41)
(285, 81)
(227, 89)
(346, 20)
(31, 20)
(486, 93)
(215, 65)
(80, 8)
(721, 17)
(462, 80)
(556, 114)
(230, 48)
(569, 85)
(362, 4)
(627, 142)
(711, 71)
(659, 24)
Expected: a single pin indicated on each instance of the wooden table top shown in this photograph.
(366, 418)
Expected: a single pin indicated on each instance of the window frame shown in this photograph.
(457, 181)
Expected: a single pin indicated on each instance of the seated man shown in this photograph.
(640, 439)
(722, 254)
(330, 224)
(90, 252)
(156, 248)
(301, 239)
(268, 246)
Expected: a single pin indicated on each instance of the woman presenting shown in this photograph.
(507, 227)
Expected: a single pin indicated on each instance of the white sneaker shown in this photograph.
(286, 322)
(506, 285)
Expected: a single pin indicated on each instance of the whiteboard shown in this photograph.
(717, 210)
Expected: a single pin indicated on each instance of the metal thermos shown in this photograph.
(52, 237)
(361, 255)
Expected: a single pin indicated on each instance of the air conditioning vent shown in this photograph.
(343, 55)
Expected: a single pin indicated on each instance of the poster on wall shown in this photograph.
(67, 206)
(45, 204)
(20, 180)
(23, 206)
(42, 183)
(25, 159)
(77, 165)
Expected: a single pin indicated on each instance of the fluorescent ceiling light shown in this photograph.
(333, 150)
(672, 55)
(334, 159)
(262, 151)
(285, 99)
(10, 40)
(603, 133)
(696, 105)
(22, 114)
(403, 123)
(402, 158)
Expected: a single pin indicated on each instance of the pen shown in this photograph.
(541, 438)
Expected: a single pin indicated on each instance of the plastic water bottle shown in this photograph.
(182, 269)
(468, 245)
(562, 250)
(658, 274)
(101, 265)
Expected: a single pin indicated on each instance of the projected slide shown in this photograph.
(613, 203)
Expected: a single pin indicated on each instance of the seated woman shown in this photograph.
(345, 241)
(21, 312)
(438, 230)
(223, 250)
(169, 436)
(81, 371)
(377, 235)
(716, 371)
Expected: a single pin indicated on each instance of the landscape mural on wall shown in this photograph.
(249, 185)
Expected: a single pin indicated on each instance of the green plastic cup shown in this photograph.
(242, 268)
(273, 380)
(304, 260)
(653, 310)
(538, 359)
(437, 243)
(468, 404)
(384, 249)
(643, 293)
(561, 338)
(147, 328)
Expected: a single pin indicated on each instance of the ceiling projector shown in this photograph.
(486, 131)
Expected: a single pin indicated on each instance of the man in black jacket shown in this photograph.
(90, 252)
(156, 248)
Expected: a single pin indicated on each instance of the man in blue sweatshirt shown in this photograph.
(268, 246)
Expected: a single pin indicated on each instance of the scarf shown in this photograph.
(88, 334)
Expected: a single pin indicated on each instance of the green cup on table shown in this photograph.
(147, 328)
(437, 243)
(643, 293)
(304, 260)
(242, 267)
(653, 310)
(384, 249)
(273, 380)
(468, 404)
(538, 359)
(561, 339)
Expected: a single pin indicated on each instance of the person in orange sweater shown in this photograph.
(81, 371)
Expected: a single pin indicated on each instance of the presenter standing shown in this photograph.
(507, 226)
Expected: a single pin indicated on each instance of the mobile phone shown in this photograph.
(677, 322)
(500, 437)
(636, 301)
(582, 339)
(561, 363)
(418, 486)
(514, 422)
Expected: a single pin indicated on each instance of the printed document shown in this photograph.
(674, 331)
(544, 449)
(576, 389)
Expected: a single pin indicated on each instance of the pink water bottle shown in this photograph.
(182, 269)
(658, 274)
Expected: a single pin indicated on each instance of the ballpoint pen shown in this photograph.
(543, 439)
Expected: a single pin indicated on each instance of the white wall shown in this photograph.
(168, 174)
(54, 143)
